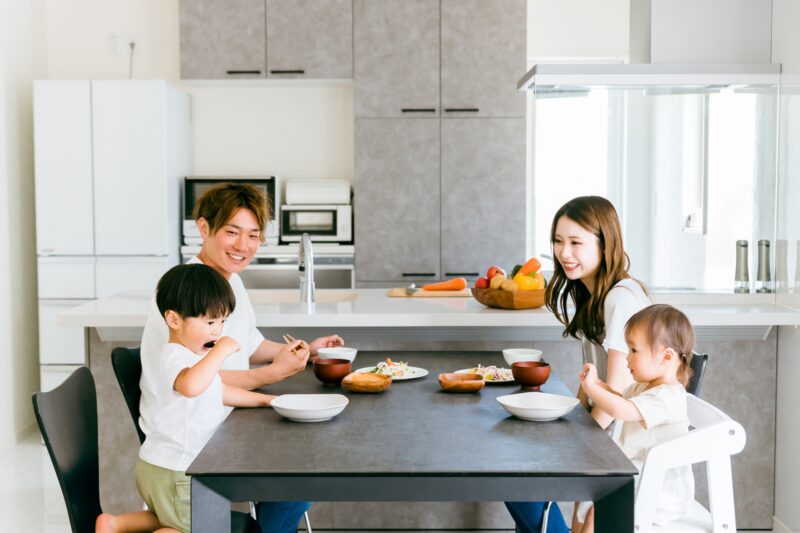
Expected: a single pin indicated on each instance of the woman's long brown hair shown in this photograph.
(598, 216)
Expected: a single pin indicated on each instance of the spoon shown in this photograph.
(411, 289)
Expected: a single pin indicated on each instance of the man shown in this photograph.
(232, 218)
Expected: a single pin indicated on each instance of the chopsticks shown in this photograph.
(289, 339)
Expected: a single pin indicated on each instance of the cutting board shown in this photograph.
(401, 293)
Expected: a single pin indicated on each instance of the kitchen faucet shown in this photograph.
(305, 265)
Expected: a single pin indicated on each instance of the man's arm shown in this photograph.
(285, 364)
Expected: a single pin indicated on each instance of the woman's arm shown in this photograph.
(236, 397)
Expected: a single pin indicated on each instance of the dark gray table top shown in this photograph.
(412, 429)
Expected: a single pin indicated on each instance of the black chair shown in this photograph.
(127, 363)
(698, 366)
(67, 418)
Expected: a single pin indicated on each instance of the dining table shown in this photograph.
(412, 442)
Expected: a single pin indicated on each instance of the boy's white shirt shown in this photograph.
(624, 300)
(180, 426)
(240, 325)
(665, 417)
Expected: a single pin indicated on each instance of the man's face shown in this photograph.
(233, 246)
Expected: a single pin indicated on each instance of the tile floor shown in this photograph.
(30, 498)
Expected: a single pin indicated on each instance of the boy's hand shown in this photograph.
(227, 345)
(588, 375)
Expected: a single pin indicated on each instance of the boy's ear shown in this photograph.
(173, 319)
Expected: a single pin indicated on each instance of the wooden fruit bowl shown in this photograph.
(366, 382)
(509, 299)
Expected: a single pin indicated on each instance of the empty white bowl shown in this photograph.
(309, 407)
(516, 355)
(337, 352)
(538, 406)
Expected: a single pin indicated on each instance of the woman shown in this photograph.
(591, 270)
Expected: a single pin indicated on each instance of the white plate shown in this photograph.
(413, 373)
(309, 407)
(499, 381)
(538, 406)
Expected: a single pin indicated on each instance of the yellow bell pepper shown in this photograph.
(525, 283)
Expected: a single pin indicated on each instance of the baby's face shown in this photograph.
(643, 362)
(199, 334)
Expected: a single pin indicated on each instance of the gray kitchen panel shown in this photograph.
(483, 194)
(483, 54)
(397, 200)
(222, 39)
(310, 39)
(396, 58)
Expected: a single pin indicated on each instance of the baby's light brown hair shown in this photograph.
(668, 327)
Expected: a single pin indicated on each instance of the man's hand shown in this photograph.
(291, 362)
(325, 342)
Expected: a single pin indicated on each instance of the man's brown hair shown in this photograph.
(668, 327)
(219, 203)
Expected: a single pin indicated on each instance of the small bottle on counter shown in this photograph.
(742, 279)
(763, 278)
(781, 265)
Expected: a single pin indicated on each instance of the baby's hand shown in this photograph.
(227, 345)
(588, 375)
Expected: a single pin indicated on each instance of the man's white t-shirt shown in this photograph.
(664, 417)
(623, 301)
(180, 426)
(241, 326)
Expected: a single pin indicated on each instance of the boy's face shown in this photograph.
(233, 246)
(199, 334)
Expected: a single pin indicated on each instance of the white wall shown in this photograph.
(21, 60)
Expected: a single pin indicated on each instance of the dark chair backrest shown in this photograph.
(67, 418)
(127, 363)
(698, 365)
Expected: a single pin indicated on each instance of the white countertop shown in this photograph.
(371, 308)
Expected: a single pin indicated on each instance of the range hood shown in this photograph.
(568, 77)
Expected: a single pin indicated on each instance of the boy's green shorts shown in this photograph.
(167, 493)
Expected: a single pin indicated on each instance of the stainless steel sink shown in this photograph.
(290, 296)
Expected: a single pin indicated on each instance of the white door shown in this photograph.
(62, 137)
(126, 275)
(130, 188)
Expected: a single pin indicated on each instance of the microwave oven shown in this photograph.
(195, 186)
(324, 223)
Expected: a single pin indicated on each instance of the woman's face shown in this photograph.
(577, 250)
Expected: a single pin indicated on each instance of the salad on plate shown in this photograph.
(490, 373)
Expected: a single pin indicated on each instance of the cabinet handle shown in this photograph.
(234, 72)
(463, 274)
(418, 110)
(418, 274)
(461, 110)
(300, 71)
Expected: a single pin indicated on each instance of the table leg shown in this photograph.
(211, 512)
(614, 512)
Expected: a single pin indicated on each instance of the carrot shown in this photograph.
(533, 265)
(455, 284)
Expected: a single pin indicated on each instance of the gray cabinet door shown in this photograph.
(483, 56)
(397, 200)
(222, 39)
(483, 194)
(310, 39)
(396, 46)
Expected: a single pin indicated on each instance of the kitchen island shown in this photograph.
(739, 332)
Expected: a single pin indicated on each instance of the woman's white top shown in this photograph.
(624, 300)
(179, 426)
(241, 326)
(664, 417)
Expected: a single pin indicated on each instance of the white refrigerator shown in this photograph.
(109, 156)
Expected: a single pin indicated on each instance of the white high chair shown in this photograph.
(714, 439)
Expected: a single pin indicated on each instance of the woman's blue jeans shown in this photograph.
(280, 517)
(529, 517)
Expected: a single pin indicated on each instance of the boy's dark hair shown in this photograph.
(194, 290)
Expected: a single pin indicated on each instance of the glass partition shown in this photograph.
(691, 170)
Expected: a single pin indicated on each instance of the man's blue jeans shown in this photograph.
(529, 517)
(280, 517)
